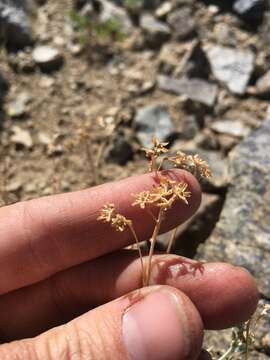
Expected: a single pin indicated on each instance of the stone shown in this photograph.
(190, 127)
(232, 66)
(156, 32)
(47, 58)
(110, 11)
(22, 61)
(44, 139)
(164, 9)
(17, 108)
(15, 26)
(263, 85)
(21, 137)
(153, 120)
(121, 151)
(250, 10)
(182, 23)
(230, 127)
(225, 34)
(241, 236)
(227, 142)
(198, 90)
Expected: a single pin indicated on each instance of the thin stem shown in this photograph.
(140, 252)
(227, 353)
(151, 214)
(162, 161)
(153, 242)
(247, 338)
(171, 240)
(91, 163)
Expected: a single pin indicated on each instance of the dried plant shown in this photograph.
(157, 201)
(243, 336)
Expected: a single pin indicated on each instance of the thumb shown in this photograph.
(158, 322)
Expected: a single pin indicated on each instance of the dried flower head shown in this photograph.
(180, 190)
(191, 163)
(152, 154)
(163, 195)
(202, 166)
(142, 199)
(119, 222)
(109, 214)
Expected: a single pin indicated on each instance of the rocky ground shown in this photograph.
(85, 84)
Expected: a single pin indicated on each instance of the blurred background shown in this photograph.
(84, 84)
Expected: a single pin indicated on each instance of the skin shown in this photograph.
(66, 282)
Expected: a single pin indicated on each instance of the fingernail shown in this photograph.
(156, 328)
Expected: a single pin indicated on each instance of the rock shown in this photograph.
(195, 89)
(153, 120)
(14, 24)
(44, 139)
(17, 108)
(22, 61)
(230, 127)
(225, 34)
(164, 9)
(47, 58)
(232, 66)
(206, 140)
(241, 236)
(263, 85)
(182, 23)
(110, 11)
(156, 32)
(190, 127)
(21, 137)
(227, 142)
(14, 186)
(121, 151)
(250, 10)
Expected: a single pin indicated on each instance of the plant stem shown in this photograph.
(227, 353)
(171, 240)
(140, 252)
(247, 338)
(153, 242)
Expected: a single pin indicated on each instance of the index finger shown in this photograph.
(41, 237)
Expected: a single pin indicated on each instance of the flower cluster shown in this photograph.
(159, 148)
(163, 195)
(117, 221)
(191, 163)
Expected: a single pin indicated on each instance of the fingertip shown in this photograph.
(227, 296)
(179, 337)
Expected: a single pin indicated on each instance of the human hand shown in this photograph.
(59, 265)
